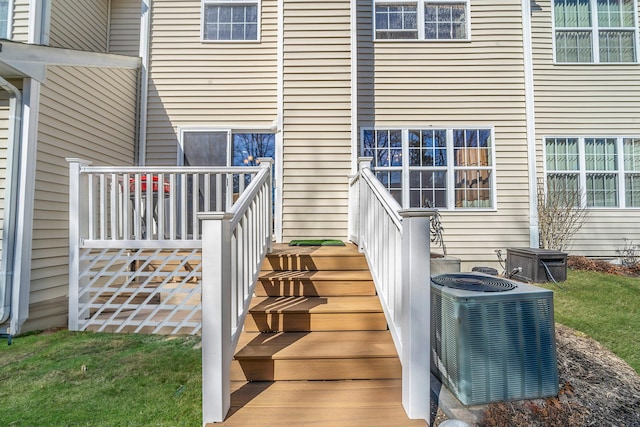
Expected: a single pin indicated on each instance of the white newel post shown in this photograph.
(416, 313)
(363, 162)
(267, 163)
(216, 316)
(78, 228)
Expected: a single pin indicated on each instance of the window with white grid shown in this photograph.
(601, 172)
(435, 167)
(421, 20)
(595, 30)
(230, 20)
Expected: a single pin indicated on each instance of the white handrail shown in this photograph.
(396, 245)
(234, 245)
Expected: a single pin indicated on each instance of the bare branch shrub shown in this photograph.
(629, 253)
(561, 213)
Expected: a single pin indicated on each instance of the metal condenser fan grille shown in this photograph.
(473, 282)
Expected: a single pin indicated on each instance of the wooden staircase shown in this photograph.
(316, 316)
(316, 349)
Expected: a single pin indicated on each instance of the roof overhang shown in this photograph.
(27, 60)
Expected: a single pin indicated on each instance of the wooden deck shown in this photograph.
(317, 403)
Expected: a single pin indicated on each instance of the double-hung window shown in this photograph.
(595, 31)
(599, 172)
(421, 20)
(442, 168)
(230, 20)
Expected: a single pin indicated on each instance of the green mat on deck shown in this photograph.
(319, 242)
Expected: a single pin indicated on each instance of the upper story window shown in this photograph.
(595, 30)
(442, 168)
(4, 19)
(227, 20)
(602, 172)
(421, 20)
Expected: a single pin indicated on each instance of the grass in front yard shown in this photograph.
(605, 307)
(86, 379)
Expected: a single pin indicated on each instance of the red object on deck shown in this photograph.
(143, 184)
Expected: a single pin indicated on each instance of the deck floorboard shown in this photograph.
(357, 403)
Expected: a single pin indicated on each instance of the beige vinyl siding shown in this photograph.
(4, 127)
(82, 112)
(476, 83)
(214, 84)
(586, 100)
(20, 31)
(124, 36)
(317, 119)
(79, 25)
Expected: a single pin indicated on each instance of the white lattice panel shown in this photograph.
(141, 291)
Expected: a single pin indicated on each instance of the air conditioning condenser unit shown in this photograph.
(492, 339)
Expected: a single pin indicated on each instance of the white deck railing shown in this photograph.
(129, 205)
(396, 245)
(136, 242)
(234, 245)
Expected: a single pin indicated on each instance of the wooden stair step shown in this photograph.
(315, 283)
(316, 356)
(369, 403)
(345, 313)
(312, 258)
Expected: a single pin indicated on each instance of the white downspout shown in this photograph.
(39, 19)
(25, 204)
(10, 211)
(279, 122)
(354, 116)
(534, 237)
(145, 36)
(354, 87)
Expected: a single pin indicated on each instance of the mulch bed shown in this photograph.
(584, 263)
(597, 388)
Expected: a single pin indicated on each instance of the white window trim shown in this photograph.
(450, 168)
(594, 29)
(230, 130)
(420, 19)
(230, 3)
(582, 171)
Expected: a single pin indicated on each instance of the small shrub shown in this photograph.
(629, 253)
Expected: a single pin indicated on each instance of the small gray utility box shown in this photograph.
(538, 265)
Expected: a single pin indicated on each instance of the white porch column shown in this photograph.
(416, 313)
(216, 316)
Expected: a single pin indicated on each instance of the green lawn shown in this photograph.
(603, 306)
(85, 379)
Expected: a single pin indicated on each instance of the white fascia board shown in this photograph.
(25, 55)
(23, 69)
